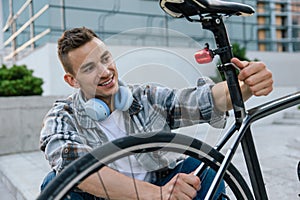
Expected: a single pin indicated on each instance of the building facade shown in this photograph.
(278, 25)
(274, 27)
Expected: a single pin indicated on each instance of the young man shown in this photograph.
(72, 128)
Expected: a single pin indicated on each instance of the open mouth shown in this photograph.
(107, 83)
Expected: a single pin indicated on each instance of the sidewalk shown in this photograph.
(278, 147)
(22, 174)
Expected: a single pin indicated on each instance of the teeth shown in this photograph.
(106, 83)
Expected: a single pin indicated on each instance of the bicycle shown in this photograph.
(210, 15)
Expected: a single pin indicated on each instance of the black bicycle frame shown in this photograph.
(243, 119)
(215, 24)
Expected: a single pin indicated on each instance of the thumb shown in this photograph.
(239, 64)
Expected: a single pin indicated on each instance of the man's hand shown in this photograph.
(256, 76)
(182, 186)
(118, 186)
(255, 79)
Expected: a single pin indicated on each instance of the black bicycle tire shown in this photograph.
(93, 161)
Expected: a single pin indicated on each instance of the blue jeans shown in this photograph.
(187, 166)
(72, 195)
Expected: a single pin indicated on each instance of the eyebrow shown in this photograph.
(105, 54)
(85, 65)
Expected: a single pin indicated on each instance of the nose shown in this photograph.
(103, 70)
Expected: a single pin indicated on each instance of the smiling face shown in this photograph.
(94, 71)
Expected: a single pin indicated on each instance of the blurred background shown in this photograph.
(148, 46)
(30, 29)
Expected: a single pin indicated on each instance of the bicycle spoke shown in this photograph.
(133, 178)
(103, 186)
(173, 188)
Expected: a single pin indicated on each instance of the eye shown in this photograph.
(89, 68)
(106, 59)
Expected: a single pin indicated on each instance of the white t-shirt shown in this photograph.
(114, 127)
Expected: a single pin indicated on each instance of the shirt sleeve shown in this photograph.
(59, 138)
(189, 106)
(207, 105)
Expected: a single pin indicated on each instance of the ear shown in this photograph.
(71, 80)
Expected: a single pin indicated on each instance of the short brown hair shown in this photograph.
(72, 39)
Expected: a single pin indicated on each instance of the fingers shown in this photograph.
(239, 64)
(193, 180)
(182, 186)
(256, 76)
(262, 88)
(254, 70)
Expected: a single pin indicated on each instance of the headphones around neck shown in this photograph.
(98, 110)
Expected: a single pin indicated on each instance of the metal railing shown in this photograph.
(11, 24)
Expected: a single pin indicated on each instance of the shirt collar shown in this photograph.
(85, 121)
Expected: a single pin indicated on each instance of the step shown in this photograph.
(289, 118)
(292, 115)
(23, 173)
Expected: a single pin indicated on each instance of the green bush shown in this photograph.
(19, 81)
(239, 52)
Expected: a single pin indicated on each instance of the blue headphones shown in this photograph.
(98, 110)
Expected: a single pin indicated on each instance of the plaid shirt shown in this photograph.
(69, 133)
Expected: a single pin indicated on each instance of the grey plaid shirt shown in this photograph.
(69, 133)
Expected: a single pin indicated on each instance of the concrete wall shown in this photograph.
(174, 67)
(21, 122)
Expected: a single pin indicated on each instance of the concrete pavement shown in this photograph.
(22, 174)
(278, 147)
(279, 153)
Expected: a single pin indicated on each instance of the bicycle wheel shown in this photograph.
(110, 152)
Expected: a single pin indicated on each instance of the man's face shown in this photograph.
(95, 71)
